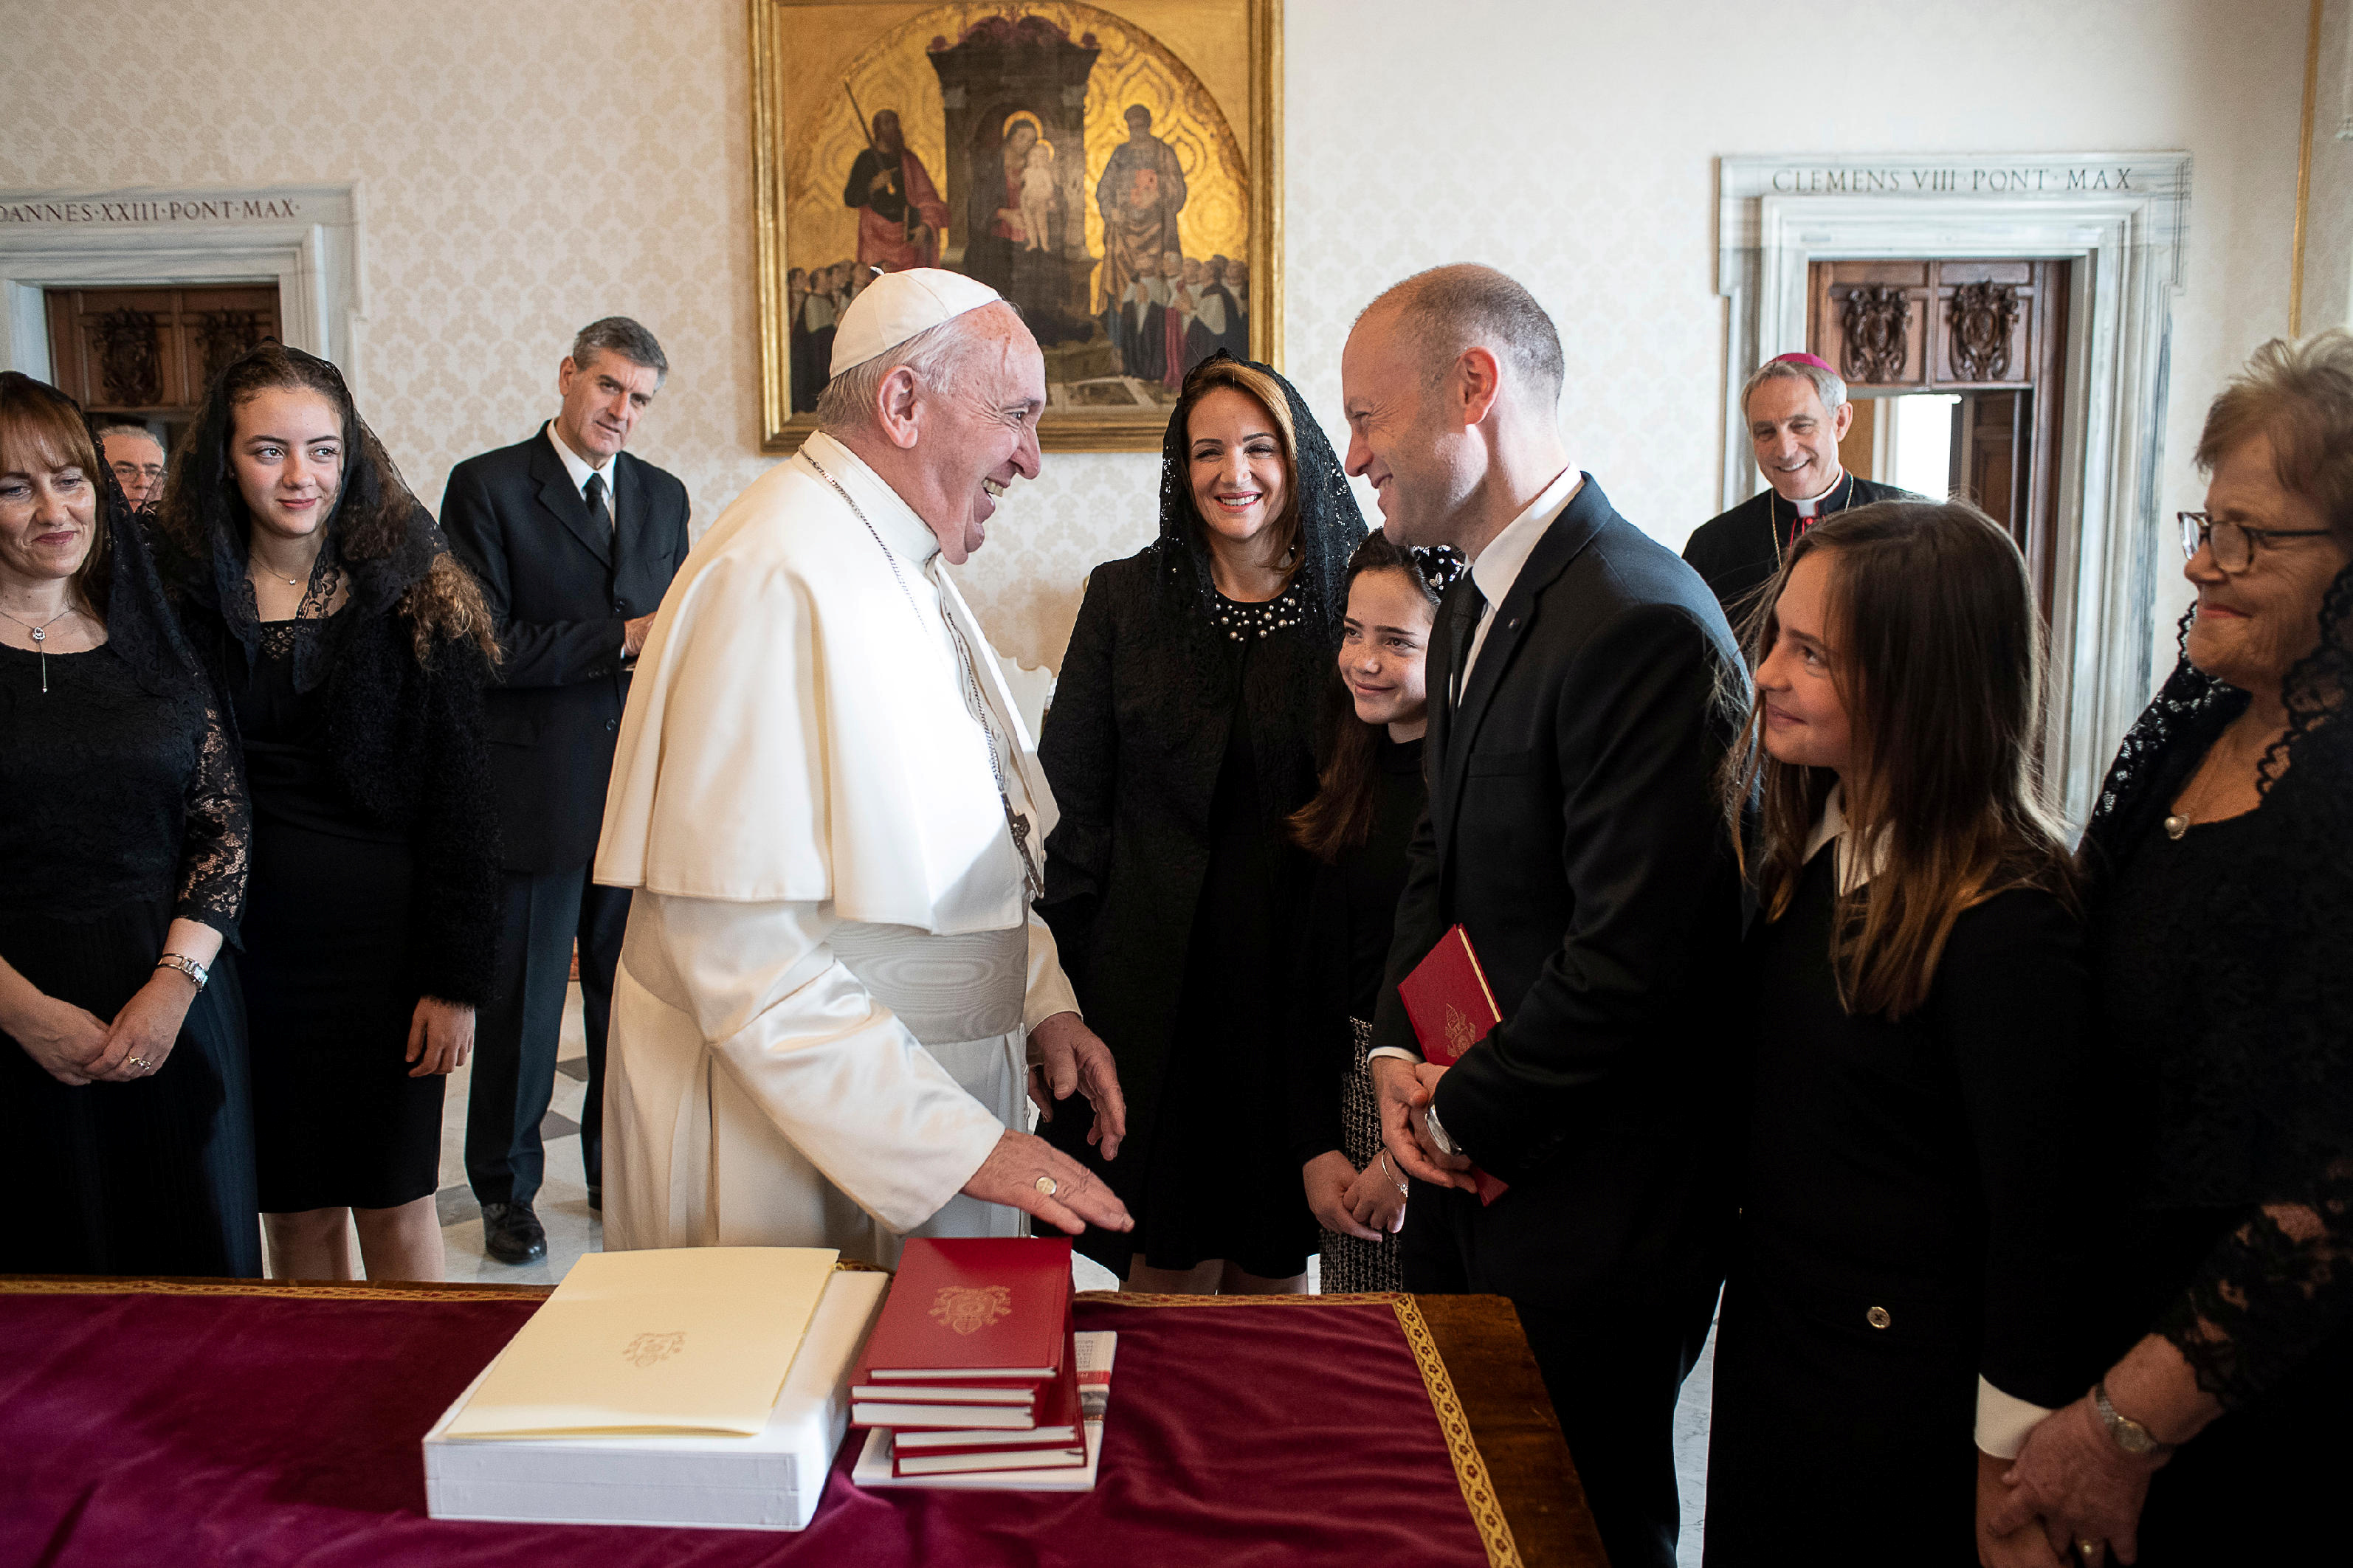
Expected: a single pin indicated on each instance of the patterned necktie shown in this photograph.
(598, 512)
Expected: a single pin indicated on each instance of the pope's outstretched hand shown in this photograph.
(1026, 1172)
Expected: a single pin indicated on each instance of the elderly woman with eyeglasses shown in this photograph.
(2220, 855)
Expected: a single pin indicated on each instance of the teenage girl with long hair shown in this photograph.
(1919, 1057)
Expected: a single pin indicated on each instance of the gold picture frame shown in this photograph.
(1177, 143)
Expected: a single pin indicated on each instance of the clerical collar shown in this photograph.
(895, 523)
(1816, 506)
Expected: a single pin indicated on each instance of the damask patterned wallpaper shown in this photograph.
(526, 166)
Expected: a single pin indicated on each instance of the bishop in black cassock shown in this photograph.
(1738, 551)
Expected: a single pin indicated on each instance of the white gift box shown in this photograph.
(771, 1480)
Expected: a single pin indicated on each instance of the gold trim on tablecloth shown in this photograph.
(1469, 1466)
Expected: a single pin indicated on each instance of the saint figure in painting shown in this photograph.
(1140, 194)
(900, 214)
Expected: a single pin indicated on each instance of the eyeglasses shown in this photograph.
(2234, 544)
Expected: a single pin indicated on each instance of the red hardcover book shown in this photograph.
(1451, 1008)
(978, 1310)
(1056, 1432)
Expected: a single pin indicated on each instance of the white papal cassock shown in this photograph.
(831, 965)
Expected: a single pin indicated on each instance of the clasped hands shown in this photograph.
(1405, 1089)
(1364, 1204)
(76, 1047)
(2071, 1481)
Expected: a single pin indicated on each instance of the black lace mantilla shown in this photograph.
(1331, 526)
(2255, 1112)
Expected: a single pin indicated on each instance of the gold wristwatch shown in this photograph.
(2123, 1431)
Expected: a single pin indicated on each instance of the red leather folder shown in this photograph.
(1451, 1008)
(979, 1309)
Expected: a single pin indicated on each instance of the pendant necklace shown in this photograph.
(41, 638)
(2179, 823)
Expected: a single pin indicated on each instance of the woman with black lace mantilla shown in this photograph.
(2222, 849)
(1181, 739)
(353, 649)
(126, 1145)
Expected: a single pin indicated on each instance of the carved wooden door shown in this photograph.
(1993, 332)
(148, 354)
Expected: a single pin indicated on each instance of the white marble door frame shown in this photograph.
(2120, 217)
(306, 238)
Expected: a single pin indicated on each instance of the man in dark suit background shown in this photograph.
(1575, 729)
(1798, 413)
(574, 542)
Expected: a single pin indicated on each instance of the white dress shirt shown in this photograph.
(579, 468)
(1496, 569)
(1499, 566)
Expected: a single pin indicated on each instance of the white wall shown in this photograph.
(528, 165)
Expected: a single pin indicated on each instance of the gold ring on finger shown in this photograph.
(1047, 1186)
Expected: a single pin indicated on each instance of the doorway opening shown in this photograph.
(1957, 369)
(144, 356)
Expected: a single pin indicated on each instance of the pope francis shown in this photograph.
(833, 987)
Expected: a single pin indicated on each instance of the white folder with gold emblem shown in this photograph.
(661, 1400)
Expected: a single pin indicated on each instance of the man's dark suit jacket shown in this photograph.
(559, 586)
(1573, 832)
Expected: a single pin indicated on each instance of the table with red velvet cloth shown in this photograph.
(203, 1422)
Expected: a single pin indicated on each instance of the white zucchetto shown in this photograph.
(898, 305)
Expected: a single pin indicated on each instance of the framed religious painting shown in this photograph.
(1113, 169)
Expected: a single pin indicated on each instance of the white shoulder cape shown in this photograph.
(795, 733)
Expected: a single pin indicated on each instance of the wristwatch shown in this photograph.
(2123, 1431)
(1438, 1138)
(185, 966)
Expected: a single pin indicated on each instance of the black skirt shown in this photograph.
(340, 1123)
(154, 1176)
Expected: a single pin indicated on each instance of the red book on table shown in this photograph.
(976, 1309)
(1056, 1439)
(1451, 1007)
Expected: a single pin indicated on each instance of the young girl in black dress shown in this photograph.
(353, 649)
(1370, 793)
(1918, 1055)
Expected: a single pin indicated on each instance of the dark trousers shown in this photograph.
(1613, 1367)
(515, 1036)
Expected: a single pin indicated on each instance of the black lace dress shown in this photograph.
(2190, 958)
(125, 812)
(339, 1122)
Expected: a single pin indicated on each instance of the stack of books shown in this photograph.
(973, 1368)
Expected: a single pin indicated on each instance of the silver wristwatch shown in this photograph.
(185, 966)
(1438, 1138)
(2123, 1431)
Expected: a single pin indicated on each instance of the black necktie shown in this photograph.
(598, 512)
(1469, 608)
